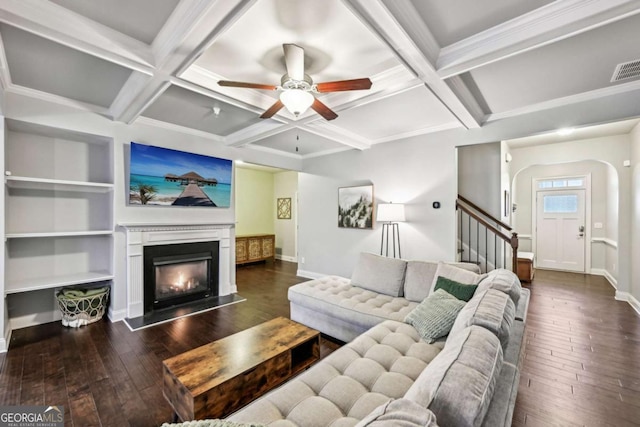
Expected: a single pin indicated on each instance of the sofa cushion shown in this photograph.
(400, 413)
(434, 317)
(460, 275)
(459, 290)
(503, 280)
(458, 385)
(379, 274)
(491, 309)
(420, 275)
(342, 389)
(335, 296)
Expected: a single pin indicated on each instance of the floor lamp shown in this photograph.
(389, 214)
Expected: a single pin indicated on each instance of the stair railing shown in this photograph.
(480, 232)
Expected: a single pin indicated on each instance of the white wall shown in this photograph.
(479, 176)
(285, 185)
(55, 115)
(612, 150)
(413, 172)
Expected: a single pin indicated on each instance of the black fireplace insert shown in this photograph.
(181, 273)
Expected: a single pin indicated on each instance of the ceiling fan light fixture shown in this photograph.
(297, 101)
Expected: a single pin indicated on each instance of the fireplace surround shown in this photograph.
(145, 235)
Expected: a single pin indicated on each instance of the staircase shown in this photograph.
(484, 239)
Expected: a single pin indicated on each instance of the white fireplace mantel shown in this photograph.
(140, 235)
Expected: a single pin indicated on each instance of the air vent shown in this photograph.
(626, 70)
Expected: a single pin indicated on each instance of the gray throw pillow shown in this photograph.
(434, 317)
(379, 274)
(399, 412)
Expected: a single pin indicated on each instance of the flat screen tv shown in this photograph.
(164, 177)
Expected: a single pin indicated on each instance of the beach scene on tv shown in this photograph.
(165, 177)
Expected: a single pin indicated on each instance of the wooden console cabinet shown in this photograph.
(256, 247)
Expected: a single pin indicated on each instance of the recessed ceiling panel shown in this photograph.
(452, 21)
(296, 141)
(193, 110)
(412, 111)
(337, 45)
(40, 64)
(140, 19)
(575, 65)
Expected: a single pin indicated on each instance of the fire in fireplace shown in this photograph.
(179, 273)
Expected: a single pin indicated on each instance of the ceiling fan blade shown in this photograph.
(294, 59)
(341, 85)
(272, 110)
(323, 110)
(246, 85)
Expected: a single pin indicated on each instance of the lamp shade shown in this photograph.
(297, 101)
(390, 212)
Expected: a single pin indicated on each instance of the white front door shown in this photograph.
(560, 231)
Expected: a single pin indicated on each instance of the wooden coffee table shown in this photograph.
(216, 379)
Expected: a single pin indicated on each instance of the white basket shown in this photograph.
(82, 310)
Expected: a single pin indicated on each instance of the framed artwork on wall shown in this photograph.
(164, 177)
(284, 208)
(355, 207)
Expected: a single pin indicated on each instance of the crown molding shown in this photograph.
(418, 132)
(178, 128)
(325, 153)
(547, 24)
(53, 22)
(56, 99)
(329, 131)
(256, 132)
(565, 101)
(273, 151)
(382, 22)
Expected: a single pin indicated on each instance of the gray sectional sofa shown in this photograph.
(389, 373)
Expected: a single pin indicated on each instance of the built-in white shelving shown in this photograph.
(56, 281)
(27, 182)
(58, 208)
(58, 234)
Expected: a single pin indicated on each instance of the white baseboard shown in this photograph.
(4, 341)
(309, 274)
(626, 296)
(603, 272)
(116, 315)
(287, 258)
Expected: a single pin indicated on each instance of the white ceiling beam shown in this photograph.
(330, 131)
(5, 75)
(553, 22)
(192, 27)
(47, 19)
(397, 24)
(256, 132)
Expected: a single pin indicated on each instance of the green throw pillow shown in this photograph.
(457, 289)
(433, 318)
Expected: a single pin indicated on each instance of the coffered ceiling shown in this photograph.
(434, 65)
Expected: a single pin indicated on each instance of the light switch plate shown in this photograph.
(597, 225)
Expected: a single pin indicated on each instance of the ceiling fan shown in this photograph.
(297, 90)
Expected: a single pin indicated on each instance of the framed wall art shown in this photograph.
(355, 207)
(284, 208)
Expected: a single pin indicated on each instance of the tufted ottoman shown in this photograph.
(380, 364)
(333, 304)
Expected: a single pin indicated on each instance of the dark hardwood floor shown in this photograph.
(582, 356)
(581, 365)
(106, 375)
